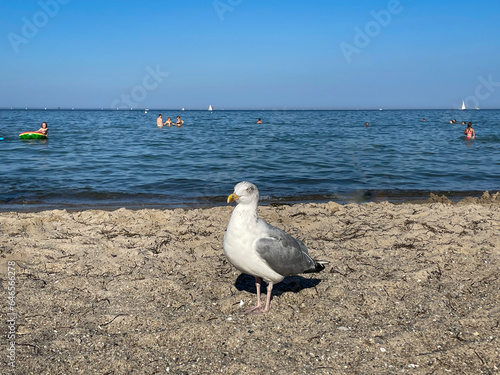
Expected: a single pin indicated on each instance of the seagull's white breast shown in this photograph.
(242, 231)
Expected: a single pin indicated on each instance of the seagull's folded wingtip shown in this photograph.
(319, 265)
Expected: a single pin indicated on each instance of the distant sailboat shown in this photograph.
(210, 108)
(182, 109)
(463, 106)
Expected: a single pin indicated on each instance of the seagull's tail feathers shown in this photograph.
(319, 265)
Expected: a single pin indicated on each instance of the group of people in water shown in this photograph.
(169, 122)
(469, 130)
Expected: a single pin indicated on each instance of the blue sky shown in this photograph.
(249, 54)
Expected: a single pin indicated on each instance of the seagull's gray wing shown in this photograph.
(283, 253)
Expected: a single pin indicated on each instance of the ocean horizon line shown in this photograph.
(234, 109)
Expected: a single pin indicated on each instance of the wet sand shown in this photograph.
(410, 288)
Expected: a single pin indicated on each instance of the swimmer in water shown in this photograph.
(179, 122)
(168, 122)
(44, 129)
(159, 121)
(469, 131)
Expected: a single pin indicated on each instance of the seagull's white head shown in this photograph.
(244, 193)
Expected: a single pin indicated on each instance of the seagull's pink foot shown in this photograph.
(253, 310)
(257, 312)
(258, 308)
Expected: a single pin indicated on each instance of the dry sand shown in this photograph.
(410, 288)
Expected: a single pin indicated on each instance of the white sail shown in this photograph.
(210, 108)
(463, 105)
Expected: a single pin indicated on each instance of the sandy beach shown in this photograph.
(410, 288)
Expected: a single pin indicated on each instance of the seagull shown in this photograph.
(259, 249)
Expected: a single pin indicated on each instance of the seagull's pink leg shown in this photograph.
(257, 307)
(268, 299)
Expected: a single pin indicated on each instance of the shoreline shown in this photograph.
(360, 197)
(409, 288)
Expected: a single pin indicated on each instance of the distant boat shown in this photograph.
(463, 106)
(182, 109)
(146, 110)
(210, 108)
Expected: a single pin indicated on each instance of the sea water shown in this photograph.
(109, 159)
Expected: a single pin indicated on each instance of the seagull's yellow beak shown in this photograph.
(232, 198)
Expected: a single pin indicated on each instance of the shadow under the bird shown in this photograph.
(293, 284)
